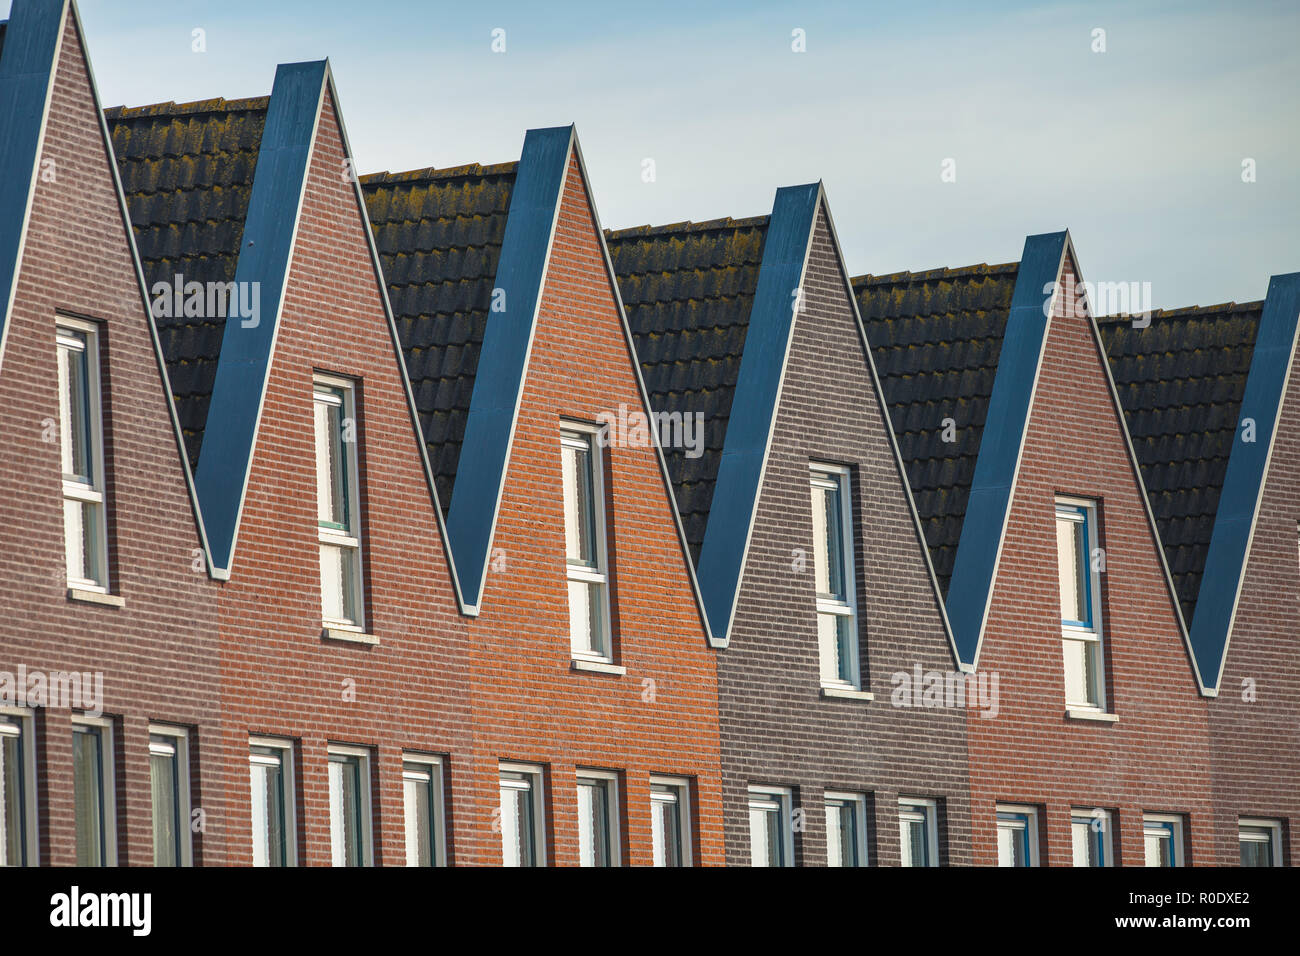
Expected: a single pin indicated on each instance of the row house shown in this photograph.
(809, 556)
(109, 657)
(1210, 402)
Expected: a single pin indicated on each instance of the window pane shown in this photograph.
(835, 647)
(1072, 568)
(1081, 672)
(517, 831)
(331, 464)
(587, 618)
(579, 508)
(593, 823)
(74, 409)
(841, 834)
(766, 840)
(418, 797)
(345, 810)
(1256, 846)
(163, 786)
(916, 844)
(12, 823)
(1013, 843)
(269, 848)
(828, 543)
(338, 568)
(1086, 843)
(88, 797)
(667, 827)
(1159, 847)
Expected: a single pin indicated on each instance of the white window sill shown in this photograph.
(596, 667)
(348, 635)
(1084, 713)
(96, 597)
(846, 693)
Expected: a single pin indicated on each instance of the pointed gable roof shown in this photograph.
(439, 234)
(688, 289)
(31, 41)
(1190, 381)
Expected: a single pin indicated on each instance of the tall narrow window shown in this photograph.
(846, 843)
(1260, 842)
(1090, 837)
(521, 816)
(770, 841)
(837, 629)
(916, 818)
(670, 821)
(337, 504)
(16, 798)
(422, 805)
(271, 773)
(597, 818)
(1080, 583)
(1162, 838)
(1017, 836)
(81, 448)
(92, 786)
(169, 782)
(584, 546)
(349, 779)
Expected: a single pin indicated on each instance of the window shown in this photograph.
(670, 808)
(422, 805)
(271, 769)
(1261, 842)
(1076, 537)
(169, 782)
(770, 841)
(598, 840)
(521, 816)
(1162, 836)
(350, 828)
(584, 546)
(17, 794)
(1090, 837)
(837, 629)
(1017, 836)
(846, 830)
(93, 794)
(916, 819)
(81, 445)
(337, 510)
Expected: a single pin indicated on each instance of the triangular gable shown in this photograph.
(32, 39)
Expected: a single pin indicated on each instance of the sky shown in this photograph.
(1137, 148)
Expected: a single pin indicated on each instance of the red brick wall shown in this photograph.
(279, 677)
(528, 705)
(158, 653)
(1156, 758)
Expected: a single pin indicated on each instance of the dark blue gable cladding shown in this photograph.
(246, 349)
(758, 388)
(1243, 484)
(980, 544)
(507, 342)
(32, 39)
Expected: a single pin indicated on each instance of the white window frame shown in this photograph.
(858, 803)
(1273, 836)
(780, 800)
(366, 831)
(178, 738)
(1093, 634)
(536, 778)
(925, 809)
(824, 475)
(612, 796)
(1013, 816)
(1088, 816)
(678, 792)
(20, 722)
(1171, 823)
(432, 765)
(323, 387)
(95, 493)
(107, 780)
(582, 435)
(289, 790)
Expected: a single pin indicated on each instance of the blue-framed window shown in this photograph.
(1080, 587)
(1162, 838)
(1090, 837)
(1017, 836)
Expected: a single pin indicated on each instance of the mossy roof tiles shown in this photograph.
(439, 235)
(936, 337)
(1180, 381)
(688, 289)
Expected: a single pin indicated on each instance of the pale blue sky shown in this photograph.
(1136, 150)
